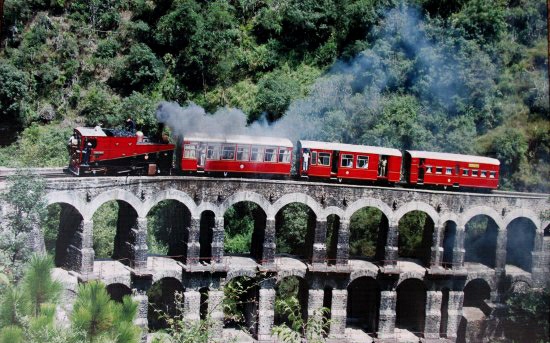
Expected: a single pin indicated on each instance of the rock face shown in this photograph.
(384, 298)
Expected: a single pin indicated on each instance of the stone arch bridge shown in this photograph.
(376, 298)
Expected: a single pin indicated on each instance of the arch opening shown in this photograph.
(167, 229)
(327, 304)
(476, 293)
(291, 298)
(448, 242)
(520, 244)
(204, 303)
(363, 306)
(416, 229)
(480, 241)
(411, 304)
(206, 234)
(118, 291)
(165, 298)
(61, 227)
(244, 226)
(240, 308)
(368, 234)
(295, 226)
(331, 239)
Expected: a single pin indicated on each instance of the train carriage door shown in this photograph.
(421, 170)
(383, 166)
(335, 161)
(201, 156)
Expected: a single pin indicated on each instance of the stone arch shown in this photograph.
(363, 304)
(301, 241)
(369, 202)
(254, 197)
(170, 194)
(417, 275)
(520, 244)
(416, 206)
(520, 285)
(118, 291)
(251, 213)
(361, 273)
(410, 305)
(68, 244)
(292, 286)
(416, 237)
(241, 306)
(168, 223)
(67, 198)
(206, 235)
(448, 240)
(333, 210)
(118, 195)
(162, 296)
(470, 213)
(233, 274)
(332, 238)
(481, 234)
(368, 238)
(298, 198)
(208, 206)
(448, 217)
(476, 292)
(521, 213)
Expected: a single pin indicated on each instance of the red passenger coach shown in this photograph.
(347, 161)
(443, 169)
(236, 154)
(108, 151)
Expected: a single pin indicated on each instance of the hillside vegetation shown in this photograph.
(464, 76)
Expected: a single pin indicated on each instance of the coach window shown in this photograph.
(362, 162)
(492, 175)
(474, 172)
(213, 151)
(448, 171)
(465, 172)
(347, 161)
(438, 170)
(324, 159)
(242, 153)
(483, 173)
(314, 157)
(189, 151)
(428, 170)
(256, 154)
(228, 152)
(284, 155)
(270, 154)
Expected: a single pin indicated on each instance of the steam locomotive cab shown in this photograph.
(97, 151)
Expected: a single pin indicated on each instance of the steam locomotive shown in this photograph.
(97, 151)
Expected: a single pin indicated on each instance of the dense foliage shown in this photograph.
(463, 76)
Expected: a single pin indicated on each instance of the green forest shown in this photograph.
(464, 76)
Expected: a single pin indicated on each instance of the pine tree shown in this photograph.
(98, 317)
(38, 285)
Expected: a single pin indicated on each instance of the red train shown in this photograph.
(108, 151)
(104, 151)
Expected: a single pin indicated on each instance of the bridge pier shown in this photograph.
(433, 314)
(456, 299)
(391, 249)
(218, 240)
(269, 244)
(342, 247)
(215, 312)
(193, 244)
(319, 249)
(266, 313)
(338, 313)
(386, 321)
(458, 250)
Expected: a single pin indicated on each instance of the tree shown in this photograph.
(38, 285)
(99, 317)
(27, 209)
(12, 93)
(528, 312)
